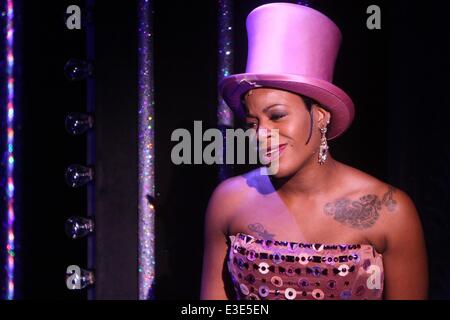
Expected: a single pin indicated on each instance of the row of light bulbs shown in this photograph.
(77, 176)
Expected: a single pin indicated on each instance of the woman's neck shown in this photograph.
(310, 182)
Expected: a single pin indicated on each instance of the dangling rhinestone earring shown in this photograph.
(323, 150)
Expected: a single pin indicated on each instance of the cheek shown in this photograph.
(298, 131)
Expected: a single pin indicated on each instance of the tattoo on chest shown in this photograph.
(362, 213)
(259, 229)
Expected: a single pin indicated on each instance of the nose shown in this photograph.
(267, 135)
(265, 130)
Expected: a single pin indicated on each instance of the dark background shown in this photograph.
(46, 201)
(396, 77)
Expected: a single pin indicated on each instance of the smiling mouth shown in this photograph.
(275, 152)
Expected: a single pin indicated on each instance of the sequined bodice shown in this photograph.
(278, 270)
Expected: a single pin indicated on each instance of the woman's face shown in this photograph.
(271, 109)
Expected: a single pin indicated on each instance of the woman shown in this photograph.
(315, 228)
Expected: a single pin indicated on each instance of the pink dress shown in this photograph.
(278, 270)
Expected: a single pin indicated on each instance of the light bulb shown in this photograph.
(79, 123)
(78, 278)
(79, 227)
(78, 175)
(76, 69)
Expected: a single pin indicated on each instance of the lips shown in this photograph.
(273, 153)
(280, 147)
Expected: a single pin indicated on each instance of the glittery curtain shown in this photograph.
(146, 154)
(225, 61)
(7, 175)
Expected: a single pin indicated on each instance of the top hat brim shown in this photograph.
(332, 98)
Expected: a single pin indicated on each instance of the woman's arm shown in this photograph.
(405, 259)
(214, 273)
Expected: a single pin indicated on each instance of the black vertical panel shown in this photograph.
(90, 108)
(185, 42)
(116, 151)
(46, 97)
(419, 115)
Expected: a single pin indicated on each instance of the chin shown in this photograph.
(286, 170)
(282, 172)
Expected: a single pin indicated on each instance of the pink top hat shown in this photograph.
(294, 48)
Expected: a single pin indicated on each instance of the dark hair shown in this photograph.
(309, 103)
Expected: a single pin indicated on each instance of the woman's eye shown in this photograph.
(276, 116)
(251, 125)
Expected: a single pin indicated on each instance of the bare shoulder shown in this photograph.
(233, 195)
(398, 235)
(224, 201)
(230, 191)
(402, 223)
(398, 213)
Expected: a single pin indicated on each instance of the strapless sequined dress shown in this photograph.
(280, 270)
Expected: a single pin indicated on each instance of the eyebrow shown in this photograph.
(265, 109)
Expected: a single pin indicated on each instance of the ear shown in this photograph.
(322, 115)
